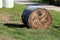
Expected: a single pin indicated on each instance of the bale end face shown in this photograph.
(38, 19)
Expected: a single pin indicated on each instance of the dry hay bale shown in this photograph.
(37, 19)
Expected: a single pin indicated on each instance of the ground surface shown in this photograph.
(11, 27)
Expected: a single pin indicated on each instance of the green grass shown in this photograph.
(39, 1)
(55, 17)
(36, 1)
(15, 13)
(16, 33)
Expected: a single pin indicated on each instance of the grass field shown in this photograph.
(11, 27)
(36, 1)
(39, 1)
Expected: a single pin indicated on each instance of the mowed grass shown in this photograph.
(11, 32)
(36, 0)
(14, 14)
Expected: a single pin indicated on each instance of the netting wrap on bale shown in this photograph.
(38, 18)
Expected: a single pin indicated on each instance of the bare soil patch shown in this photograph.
(4, 17)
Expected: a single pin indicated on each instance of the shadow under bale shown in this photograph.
(15, 25)
(56, 26)
(38, 18)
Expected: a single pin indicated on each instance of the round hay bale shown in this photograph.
(36, 19)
